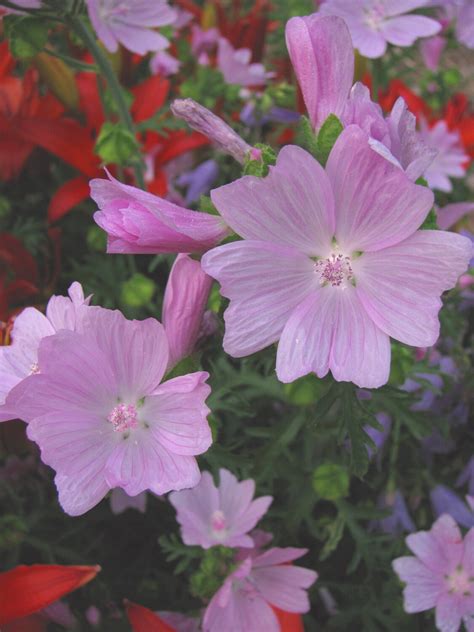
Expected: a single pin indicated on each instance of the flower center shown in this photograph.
(34, 368)
(460, 583)
(374, 16)
(218, 523)
(335, 269)
(123, 417)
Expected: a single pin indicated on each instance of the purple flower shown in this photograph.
(245, 600)
(186, 294)
(467, 476)
(399, 519)
(20, 359)
(203, 120)
(450, 161)
(431, 49)
(465, 23)
(379, 437)
(219, 516)
(101, 417)
(130, 23)
(142, 223)
(120, 501)
(329, 265)
(322, 55)
(203, 40)
(179, 622)
(162, 63)
(441, 576)
(374, 23)
(199, 180)
(452, 213)
(445, 501)
(237, 68)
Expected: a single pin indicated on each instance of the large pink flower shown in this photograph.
(331, 263)
(237, 68)
(20, 359)
(219, 516)
(441, 576)
(130, 22)
(244, 602)
(101, 417)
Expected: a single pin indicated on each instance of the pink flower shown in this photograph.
(219, 516)
(186, 294)
(162, 63)
(452, 213)
(431, 50)
(20, 359)
(203, 40)
(237, 68)
(120, 501)
(130, 23)
(142, 223)
(441, 576)
(101, 417)
(323, 58)
(331, 263)
(374, 23)
(244, 602)
(450, 161)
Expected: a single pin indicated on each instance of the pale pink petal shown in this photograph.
(278, 555)
(424, 586)
(251, 516)
(400, 286)
(376, 204)
(440, 549)
(241, 614)
(136, 350)
(292, 206)
(404, 30)
(468, 557)
(450, 214)
(323, 58)
(330, 330)
(448, 614)
(120, 501)
(177, 414)
(285, 586)
(264, 282)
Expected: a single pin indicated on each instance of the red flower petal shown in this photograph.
(27, 589)
(66, 197)
(144, 620)
(289, 621)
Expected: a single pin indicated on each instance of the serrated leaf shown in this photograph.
(336, 531)
(27, 36)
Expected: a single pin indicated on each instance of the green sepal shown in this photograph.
(116, 144)
(328, 134)
(260, 167)
(27, 35)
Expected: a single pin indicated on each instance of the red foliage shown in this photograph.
(18, 275)
(144, 620)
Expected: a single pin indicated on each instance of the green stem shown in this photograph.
(114, 86)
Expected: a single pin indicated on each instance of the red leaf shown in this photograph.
(179, 143)
(144, 620)
(66, 197)
(27, 589)
(289, 621)
(150, 96)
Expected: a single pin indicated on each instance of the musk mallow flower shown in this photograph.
(219, 516)
(101, 416)
(322, 55)
(130, 23)
(375, 23)
(331, 263)
(441, 575)
(244, 602)
(450, 161)
(184, 302)
(138, 222)
(20, 359)
(236, 66)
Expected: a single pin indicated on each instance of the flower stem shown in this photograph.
(108, 73)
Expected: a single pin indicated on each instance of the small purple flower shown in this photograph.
(130, 23)
(198, 180)
(162, 63)
(203, 40)
(379, 437)
(375, 23)
(219, 516)
(431, 49)
(450, 161)
(138, 222)
(399, 520)
(103, 419)
(245, 600)
(237, 68)
(445, 501)
(441, 576)
(467, 476)
(450, 214)
(180, 622)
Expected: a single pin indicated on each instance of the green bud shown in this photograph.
(304, 391)
(452, 77)
(5, 207)
(96, 239)
(431, 221)
(27, 35)
(216, 564)
(137, 291)
(260, 167)
(116, 144)
(331, 481)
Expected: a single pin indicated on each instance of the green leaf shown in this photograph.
(27, 35)
(138, 290)
(431, 221)
(331, 481)
(336, 531)
(116, 144)
(328, 134)
(306, 137)
(206, 205)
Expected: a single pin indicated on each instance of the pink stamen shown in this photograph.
(123, 417)
(218, 521)
(460, 583)
(335, 270)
